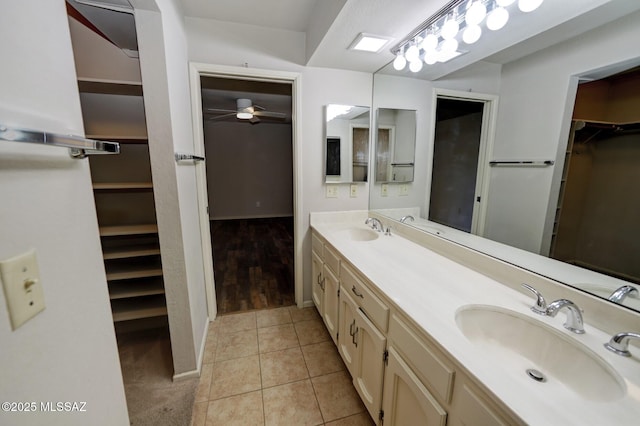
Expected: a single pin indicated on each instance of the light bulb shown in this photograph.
(415, 66)
(471, 34)
(450, 45)
(476, 13)
(497, 18)
(430, 57)
(504, 3)
(529, 5)
(399, 62)
(412, 54)
(450, 29)
(430, 42)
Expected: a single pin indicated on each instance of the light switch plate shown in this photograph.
(384, 190)
(332, 191)
(404, 189)
(354, 190)
(20, 278)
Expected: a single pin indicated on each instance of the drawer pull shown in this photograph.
(354, 338)
(351, 328)
(319, 276)
(353, 289)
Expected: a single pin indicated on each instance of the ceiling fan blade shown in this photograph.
(270, 114)
(219, 111)
(220, 117)
(254, 120)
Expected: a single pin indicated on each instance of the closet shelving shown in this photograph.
(123, 192)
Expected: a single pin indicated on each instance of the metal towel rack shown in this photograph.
(402, 164)
(521, 163)
(79, 147)
(181, 157)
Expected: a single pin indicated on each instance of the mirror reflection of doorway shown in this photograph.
(456, 178)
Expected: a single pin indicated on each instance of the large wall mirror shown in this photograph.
(395, 145)
(563, 155)
(346, 135)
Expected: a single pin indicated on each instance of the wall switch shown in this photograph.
(332, 191)
(404, 189)
(354, 191)
(384, 189)
(22, 287)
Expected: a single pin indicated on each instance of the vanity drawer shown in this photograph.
(368, 302)
(332, 260)
(430, 366)
(317, 245)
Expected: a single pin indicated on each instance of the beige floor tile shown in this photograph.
(322, 358)
(209, 354)
(199, 414)
(362, 419)
(236, 345)
(277, 337)
(282, 367)
(312, 331)
(303, 314)
(204, 385)
(269, 317)
(237, 322)
(291, 404)
(234, 377)
(240, 410)
(336, 396)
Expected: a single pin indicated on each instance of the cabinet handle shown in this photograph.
(351, 328)
(353, 289)
(353, 337)
(318, 279)
(322, 284)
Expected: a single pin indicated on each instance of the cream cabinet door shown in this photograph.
(317, 282)
(346, 328)
(369, 365)
(331, 307)
(406, 400)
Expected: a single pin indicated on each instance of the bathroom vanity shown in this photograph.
(429, 339)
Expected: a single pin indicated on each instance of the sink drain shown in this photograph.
(536, 375)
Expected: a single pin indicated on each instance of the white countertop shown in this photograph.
(430, 288)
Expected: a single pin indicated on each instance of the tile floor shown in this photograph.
(275, 367)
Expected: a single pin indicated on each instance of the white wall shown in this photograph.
(164, 68)
(536, 100)
(68, 352)
(249, 164)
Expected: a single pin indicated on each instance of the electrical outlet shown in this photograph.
(403, 190)
(332, 191)
(22, 287)
(384, 190)
(354, 191)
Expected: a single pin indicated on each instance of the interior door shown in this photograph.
(456, 181)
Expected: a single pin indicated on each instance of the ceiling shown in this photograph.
(330, 26)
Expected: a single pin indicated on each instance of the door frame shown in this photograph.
(487, 138)
(197, 70)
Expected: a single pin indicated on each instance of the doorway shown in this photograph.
(251, 207)
(460, 146)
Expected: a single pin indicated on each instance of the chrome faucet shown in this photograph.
(403, 219)
(376, 225)
(540, 307)
(619, 343)
(574, 321)
(622, 293)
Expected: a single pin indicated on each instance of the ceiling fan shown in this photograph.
(245, 110)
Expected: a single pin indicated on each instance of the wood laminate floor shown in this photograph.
(253, 263)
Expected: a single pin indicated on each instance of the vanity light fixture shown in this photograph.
(369, 43)
(460, 21)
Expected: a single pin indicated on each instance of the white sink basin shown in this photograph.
(358, 234)
(553, 361)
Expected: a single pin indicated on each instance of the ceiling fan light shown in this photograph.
(430, 42)
(450, 28)
(497, 19)
(413, 53)
(476, 13)
(244, 109)
(399, 62)
(415, 66)
(471, 34)
(244, 115)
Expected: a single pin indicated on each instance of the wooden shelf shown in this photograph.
(110, 87)
(129, 252)
(138, 307)
(124, 186)
(137, 289)
(111, 231)
(126, 271)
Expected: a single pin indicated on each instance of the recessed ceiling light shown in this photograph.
(369, 43)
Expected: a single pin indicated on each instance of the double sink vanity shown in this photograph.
(436, 333)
